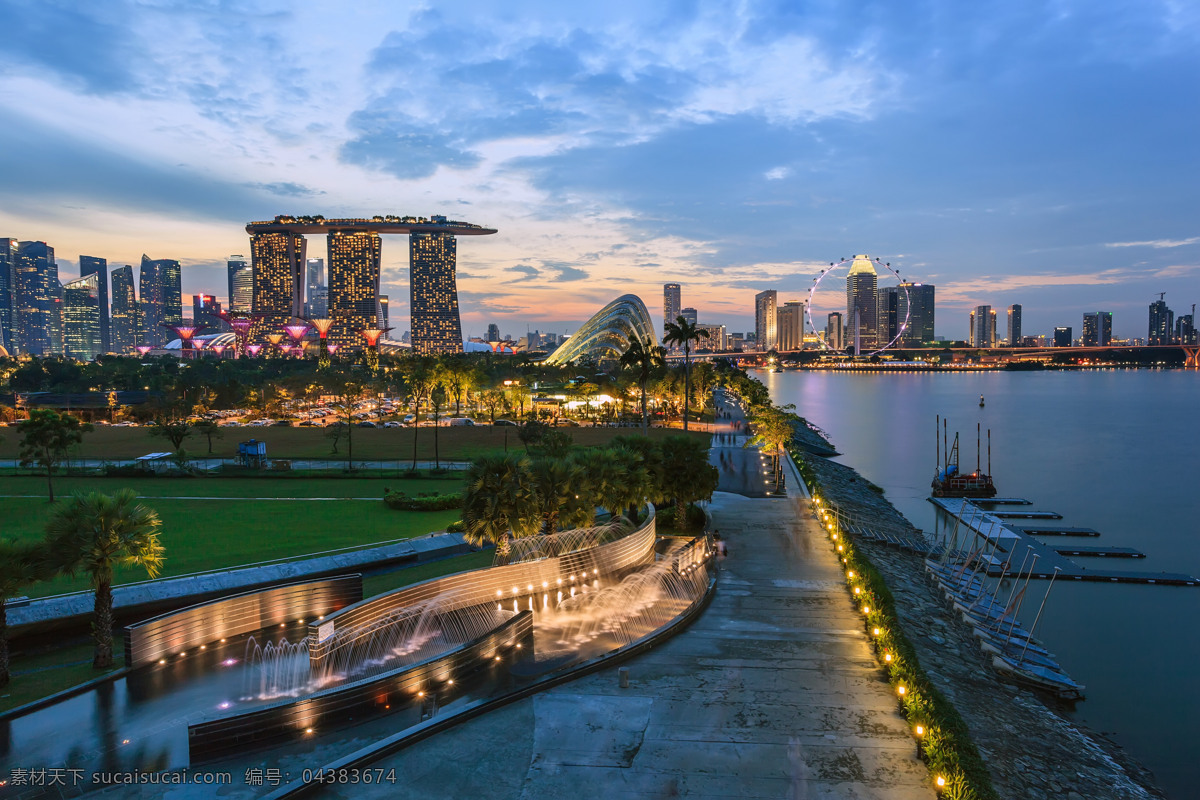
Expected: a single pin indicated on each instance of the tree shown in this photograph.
(532, 432)
(643, 358)
(348, 390)
(45, 439)
(557, 444)
(420, 383)
(684, 333)
(437, 398)
(492, 399)
(772, 431)
(686, 474)
(95, 533)
(558, 484)
(173, 430)
(209, 429)
(499, 502)
(21, 564)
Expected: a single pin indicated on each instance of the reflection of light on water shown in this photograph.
(224, 705)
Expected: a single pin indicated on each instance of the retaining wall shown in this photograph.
(157, 637)
(292, 719)
(512, 584)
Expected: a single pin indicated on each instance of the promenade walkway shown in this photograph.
(771, 693)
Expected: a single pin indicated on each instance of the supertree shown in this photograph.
(274, 339)
(322, 326)
(240, 323)
(296, 331)
(185, 334)
(143, 349)
(218, 349)
(252, 349)
(372, 335)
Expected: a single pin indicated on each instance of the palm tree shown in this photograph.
(95, 533)
(686, 474)
(643, 358)
(21, 564)
(499, 502)
(559, 485)
(683, 333)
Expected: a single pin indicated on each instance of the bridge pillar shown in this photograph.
(1191, 356)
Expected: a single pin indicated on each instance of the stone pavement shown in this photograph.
(771, 693)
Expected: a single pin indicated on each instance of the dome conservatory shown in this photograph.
(608, 333)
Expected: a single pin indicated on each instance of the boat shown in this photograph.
(950, 482)
(1057, 683)
(981, 401)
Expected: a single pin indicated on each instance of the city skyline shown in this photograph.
(578, 135)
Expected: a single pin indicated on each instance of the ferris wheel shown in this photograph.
(838, 266)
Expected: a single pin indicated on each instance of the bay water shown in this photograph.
(1114, 450)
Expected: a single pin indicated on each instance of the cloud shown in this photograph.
(1158, 244)
(527, 272)
(86, 44)
(287, 189)
(401, 145)
(1177, 271)
(776, 174)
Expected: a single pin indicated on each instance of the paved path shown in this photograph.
(772, 693)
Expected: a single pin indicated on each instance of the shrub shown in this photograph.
(422, 502)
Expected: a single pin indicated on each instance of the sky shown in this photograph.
(1042, 153)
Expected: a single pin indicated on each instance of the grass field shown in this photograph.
(458, 443)
(255, 520)
(45, 671)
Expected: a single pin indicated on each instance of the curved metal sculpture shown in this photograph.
(607, 334)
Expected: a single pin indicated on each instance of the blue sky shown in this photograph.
(1038, 153)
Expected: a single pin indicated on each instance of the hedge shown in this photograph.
(422, 502)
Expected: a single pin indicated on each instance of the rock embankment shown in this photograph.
(1033, 750)
(812, 439)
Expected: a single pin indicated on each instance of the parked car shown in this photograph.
(408, 418)
(281, 423)
(366, 424)
(393, 424)
(502, 422)
(456, 422)
(308, 423)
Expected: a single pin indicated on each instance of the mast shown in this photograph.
(989, 472)
(977, 429)
(937, 443)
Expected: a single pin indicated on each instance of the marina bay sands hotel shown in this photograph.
(278, 250)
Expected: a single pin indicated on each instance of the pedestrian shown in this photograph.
(722, 548)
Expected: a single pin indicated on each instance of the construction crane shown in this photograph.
(1162, 296)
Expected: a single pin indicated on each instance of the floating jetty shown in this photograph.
(1026, 514)
(1004, 501)
(1006, 543)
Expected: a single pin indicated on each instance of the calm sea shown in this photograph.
(1111, 450)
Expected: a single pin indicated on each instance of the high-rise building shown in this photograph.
(765, 320)
(493, 332)
(835, 332)
(1097, 329)
(716, 337)
(161, 289)
(90, 265)
(38, 301)
(672, 303)
(205, 308)
(736, 342)
(383, 312)
(353, 285)
(317, 302)
(789, 326)
(1014, 325)
(1062, 337)
(81, 317)
(689, 314)
(983, 327)
(917, 306)
(241, 284)
(1185, 329)
(8, 263)
(433, 293)
(889, 314)
(1162, 323)
(862, 304)
(126, 316)
(278, 265)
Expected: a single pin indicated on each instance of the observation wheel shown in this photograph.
(848, 325)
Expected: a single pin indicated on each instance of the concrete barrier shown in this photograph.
(295, 719)
(516, 586)
(157, 637)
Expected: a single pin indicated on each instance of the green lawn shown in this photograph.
(212, 534)
(206, 486)
(393, 444)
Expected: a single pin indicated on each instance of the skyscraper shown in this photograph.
(835, 333)
(689, 314)
(765, 320)
(126, 317)
(353, 285)
(1062, 337)
(789, 326)
(983, 327)
(1185, 329)
(205, 308)
(241, 284)
(162, 299)
(90, 265)
(384, 313)
(277, 263)
(38, 301)
(317, 302)
(1097, 329)
(672, 304)
(862, 289)
(8, 264)
(889, 315)
(433, 293)
(493, 332)
(1162, 323)
(81, 317)
(918, 307)
(1014, 325)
